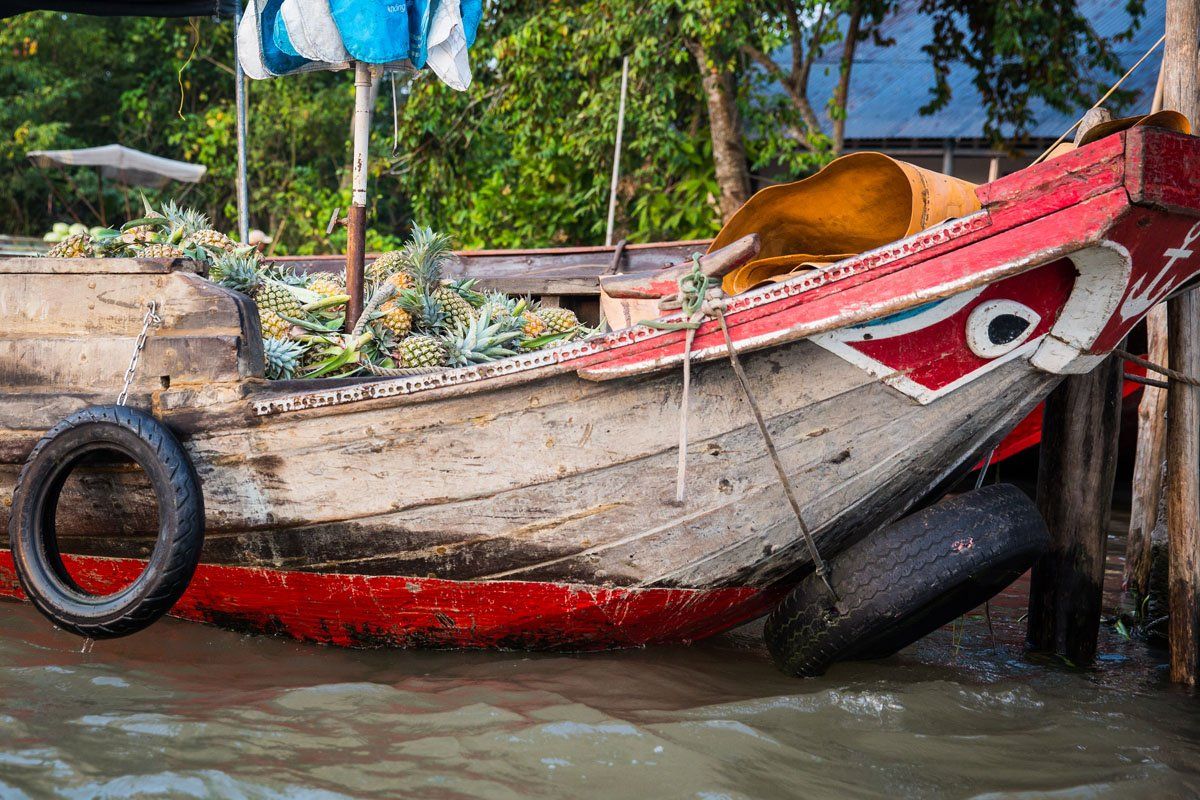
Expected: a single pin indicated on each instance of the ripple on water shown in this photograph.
(187, 711)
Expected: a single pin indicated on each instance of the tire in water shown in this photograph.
(907, 580)
(34, 542)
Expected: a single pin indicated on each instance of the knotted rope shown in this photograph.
(701, 296)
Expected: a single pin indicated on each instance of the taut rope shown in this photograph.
(701, 296)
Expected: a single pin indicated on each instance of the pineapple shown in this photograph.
(214, 242)
(393, 262)
(401, 280)
(558, 320)
(421, 351)
(140, 234)
(498, 305)
(161, 250)
(273, 326)
(275, 296)
(395, 319)
(79, 245)
(481, 341)
(327, 286)
(282, 357)
(532, 325)
(458, 311)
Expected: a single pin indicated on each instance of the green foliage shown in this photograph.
(1020, 51)
(524, 158)
(166, 86)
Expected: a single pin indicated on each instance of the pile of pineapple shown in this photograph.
(169, 232)
(413, 318)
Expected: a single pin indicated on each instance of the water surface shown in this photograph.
(184, 710)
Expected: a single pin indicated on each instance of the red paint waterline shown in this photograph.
(375, 611)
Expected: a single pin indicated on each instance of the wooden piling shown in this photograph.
(1077, 467)
(1074, 493)
(1181, 91)
(1147, 466)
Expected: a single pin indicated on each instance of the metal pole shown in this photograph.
(239, 82)
(357, 228)
(616, 171)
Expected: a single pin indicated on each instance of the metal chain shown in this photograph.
(151, 318)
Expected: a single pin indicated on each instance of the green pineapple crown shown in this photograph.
(481, 341)
(426, 311)
(184, 221)
(282, 357)
(237, 272)
(425, 254)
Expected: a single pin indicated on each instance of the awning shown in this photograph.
(123, 164)
(126, 8)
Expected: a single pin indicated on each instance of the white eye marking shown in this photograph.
(999, 326)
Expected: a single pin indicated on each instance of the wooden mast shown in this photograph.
(1181, 91)
(356, 244)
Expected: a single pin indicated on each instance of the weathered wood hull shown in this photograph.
(529, 503)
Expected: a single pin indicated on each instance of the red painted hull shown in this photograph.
(387, 611)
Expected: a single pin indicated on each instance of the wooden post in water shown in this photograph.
(1074, 493)
(1151, 452)
(1147, 467)
(1181, 91)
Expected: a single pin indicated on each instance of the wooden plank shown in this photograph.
(42, 304)
(96, 266)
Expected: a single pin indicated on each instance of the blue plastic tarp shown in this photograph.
(299, 35)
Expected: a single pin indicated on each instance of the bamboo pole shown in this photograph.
(616, 170)
(1181, 92)
(239, 93)
(357, 217)
(1078, 464)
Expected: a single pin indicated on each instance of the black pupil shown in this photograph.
(1005, 328)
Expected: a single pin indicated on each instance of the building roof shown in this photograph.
(889, 84)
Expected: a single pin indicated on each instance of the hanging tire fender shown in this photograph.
(38, 561)
(905, 581)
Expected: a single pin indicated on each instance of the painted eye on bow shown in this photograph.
(998, 327)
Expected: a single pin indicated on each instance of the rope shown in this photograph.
(1161, 370)
(1099, 102)
(700, 296)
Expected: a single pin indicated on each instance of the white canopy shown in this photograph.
(123, 164)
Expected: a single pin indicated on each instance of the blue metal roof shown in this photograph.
(889, 84)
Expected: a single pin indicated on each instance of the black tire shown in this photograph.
(34, 542)
(908, 580)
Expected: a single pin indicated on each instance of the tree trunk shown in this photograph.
(1181, 91)
(725, 125)
(842, 93)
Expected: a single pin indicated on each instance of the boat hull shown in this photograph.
(531, 502)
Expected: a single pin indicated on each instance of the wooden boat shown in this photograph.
(529, 502)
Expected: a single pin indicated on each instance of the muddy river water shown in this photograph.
(190, 711)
